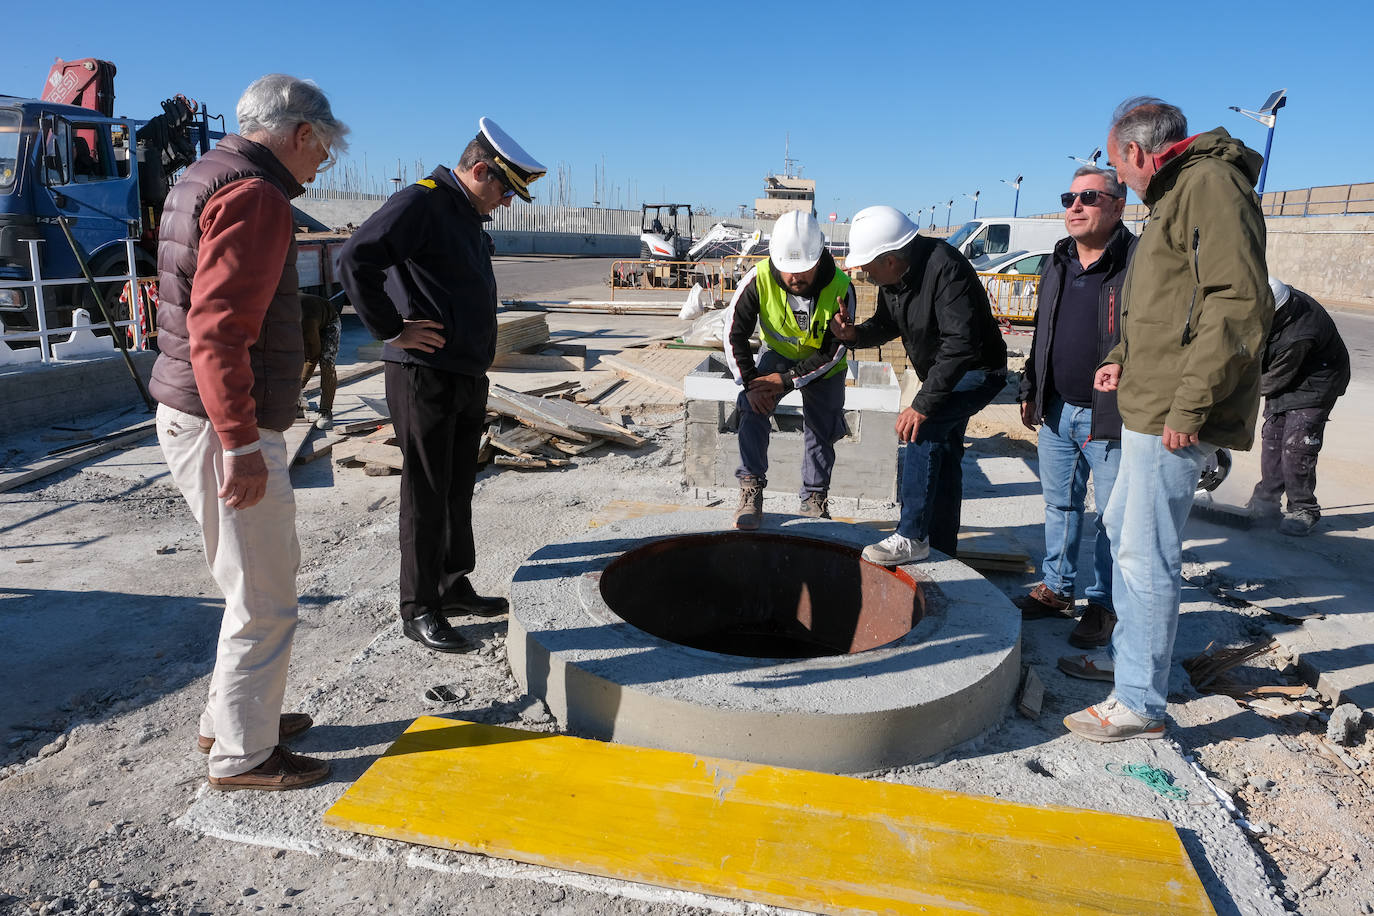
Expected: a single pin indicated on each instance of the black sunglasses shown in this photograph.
(1089, 197)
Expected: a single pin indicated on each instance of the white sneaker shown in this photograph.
(896, 549)
(1113, 721)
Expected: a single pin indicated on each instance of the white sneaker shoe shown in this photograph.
(896, 549)
(1113, 721)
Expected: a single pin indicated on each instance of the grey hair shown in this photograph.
(276, 103)
(1148, 122)
(1108, 176)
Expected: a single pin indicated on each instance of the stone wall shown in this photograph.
(1329, 257)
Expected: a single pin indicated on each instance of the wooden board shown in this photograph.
(384, 455)
(552, 414)
(661, 367)
(552, 358)
(811, 841)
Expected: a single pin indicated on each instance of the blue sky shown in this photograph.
(908, 104)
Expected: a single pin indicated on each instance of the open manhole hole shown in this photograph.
(776, 646)
(761, 595)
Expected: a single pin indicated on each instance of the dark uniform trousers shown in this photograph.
(438, 417)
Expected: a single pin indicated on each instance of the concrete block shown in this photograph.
(44, 394)
(1344, 724)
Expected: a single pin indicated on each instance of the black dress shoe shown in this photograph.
(432, 630)
(480, 605)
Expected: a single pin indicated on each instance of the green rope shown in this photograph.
(1155, 778)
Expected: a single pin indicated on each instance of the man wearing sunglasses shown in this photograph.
(419, 275)
(1077, 323)
(1196, 310)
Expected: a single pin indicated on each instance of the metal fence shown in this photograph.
(138, 328)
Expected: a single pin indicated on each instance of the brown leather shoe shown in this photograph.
(282, 770)
(292, 724)
(1041, 602)
(1094, 629)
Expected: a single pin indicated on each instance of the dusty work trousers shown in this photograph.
(438, 417)
(822, 426)
(1290, 442)
(254, 556)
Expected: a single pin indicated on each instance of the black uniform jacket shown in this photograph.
(940, 310)
(1306, 363)
(424, 254)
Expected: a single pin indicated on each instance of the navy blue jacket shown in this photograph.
(424, 254)
(1106, 419)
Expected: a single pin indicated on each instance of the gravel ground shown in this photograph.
(109, 620)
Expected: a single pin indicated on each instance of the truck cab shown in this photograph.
(64, 161)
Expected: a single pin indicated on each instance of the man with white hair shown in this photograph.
(1186, 372)
(790, 297)
(227, 381)
(930, 296)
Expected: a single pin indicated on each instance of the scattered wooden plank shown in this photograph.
(578, 423)
(19, 476)
(1032, 694)
(519, 441)
(520, 461)
(316, 449)
(346, 451)
(784, 837)
(553, 357)
(575, 448)
(593, 391)
(378, 453)
(296, 437)
(358, 426)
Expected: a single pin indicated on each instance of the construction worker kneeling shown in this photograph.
(791, 297)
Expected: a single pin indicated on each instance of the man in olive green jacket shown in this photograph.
(1196, 312)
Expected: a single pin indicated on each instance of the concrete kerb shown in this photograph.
(948, 680)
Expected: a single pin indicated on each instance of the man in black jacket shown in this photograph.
(1077, 322)
(1306, 368)
(931, 297)
(419, 275)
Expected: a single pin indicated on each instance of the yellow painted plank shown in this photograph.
(811, 841)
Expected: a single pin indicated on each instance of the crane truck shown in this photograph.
(83, 181)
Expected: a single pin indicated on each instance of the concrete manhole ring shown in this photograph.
(901, 696)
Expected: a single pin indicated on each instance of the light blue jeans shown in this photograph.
(1067, 454)
(1145, 519)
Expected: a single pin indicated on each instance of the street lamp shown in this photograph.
(1091, 160)
(949, 208)
(1267, 115)
(1016, 204)
(932, 215)
(974, 197)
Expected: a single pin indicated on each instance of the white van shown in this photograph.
(1000, 235)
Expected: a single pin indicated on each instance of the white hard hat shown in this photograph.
(1280, 290)
(875, 231)
(797, 242)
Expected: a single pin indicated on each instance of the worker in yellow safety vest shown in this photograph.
(790, 297)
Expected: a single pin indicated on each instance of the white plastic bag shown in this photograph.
(696, 304)
(708, 330)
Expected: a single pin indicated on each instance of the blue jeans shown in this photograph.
(930, 474)
(1068, 453)
(1145, 521)
(822, 426)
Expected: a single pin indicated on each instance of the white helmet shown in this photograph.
(1280, 291)
(797, 243)
(875, 231)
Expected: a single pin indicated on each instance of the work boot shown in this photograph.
(896, 549)
(1044, 602)
(1094, 628)
(750, 511)
(1299, 524)
(816, 505)
(282, 770)
(292, 724)
(325, 420)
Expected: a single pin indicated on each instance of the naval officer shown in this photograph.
(419, 274)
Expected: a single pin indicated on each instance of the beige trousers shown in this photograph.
(253, 555)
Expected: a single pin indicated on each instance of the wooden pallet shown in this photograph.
(792, 838)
